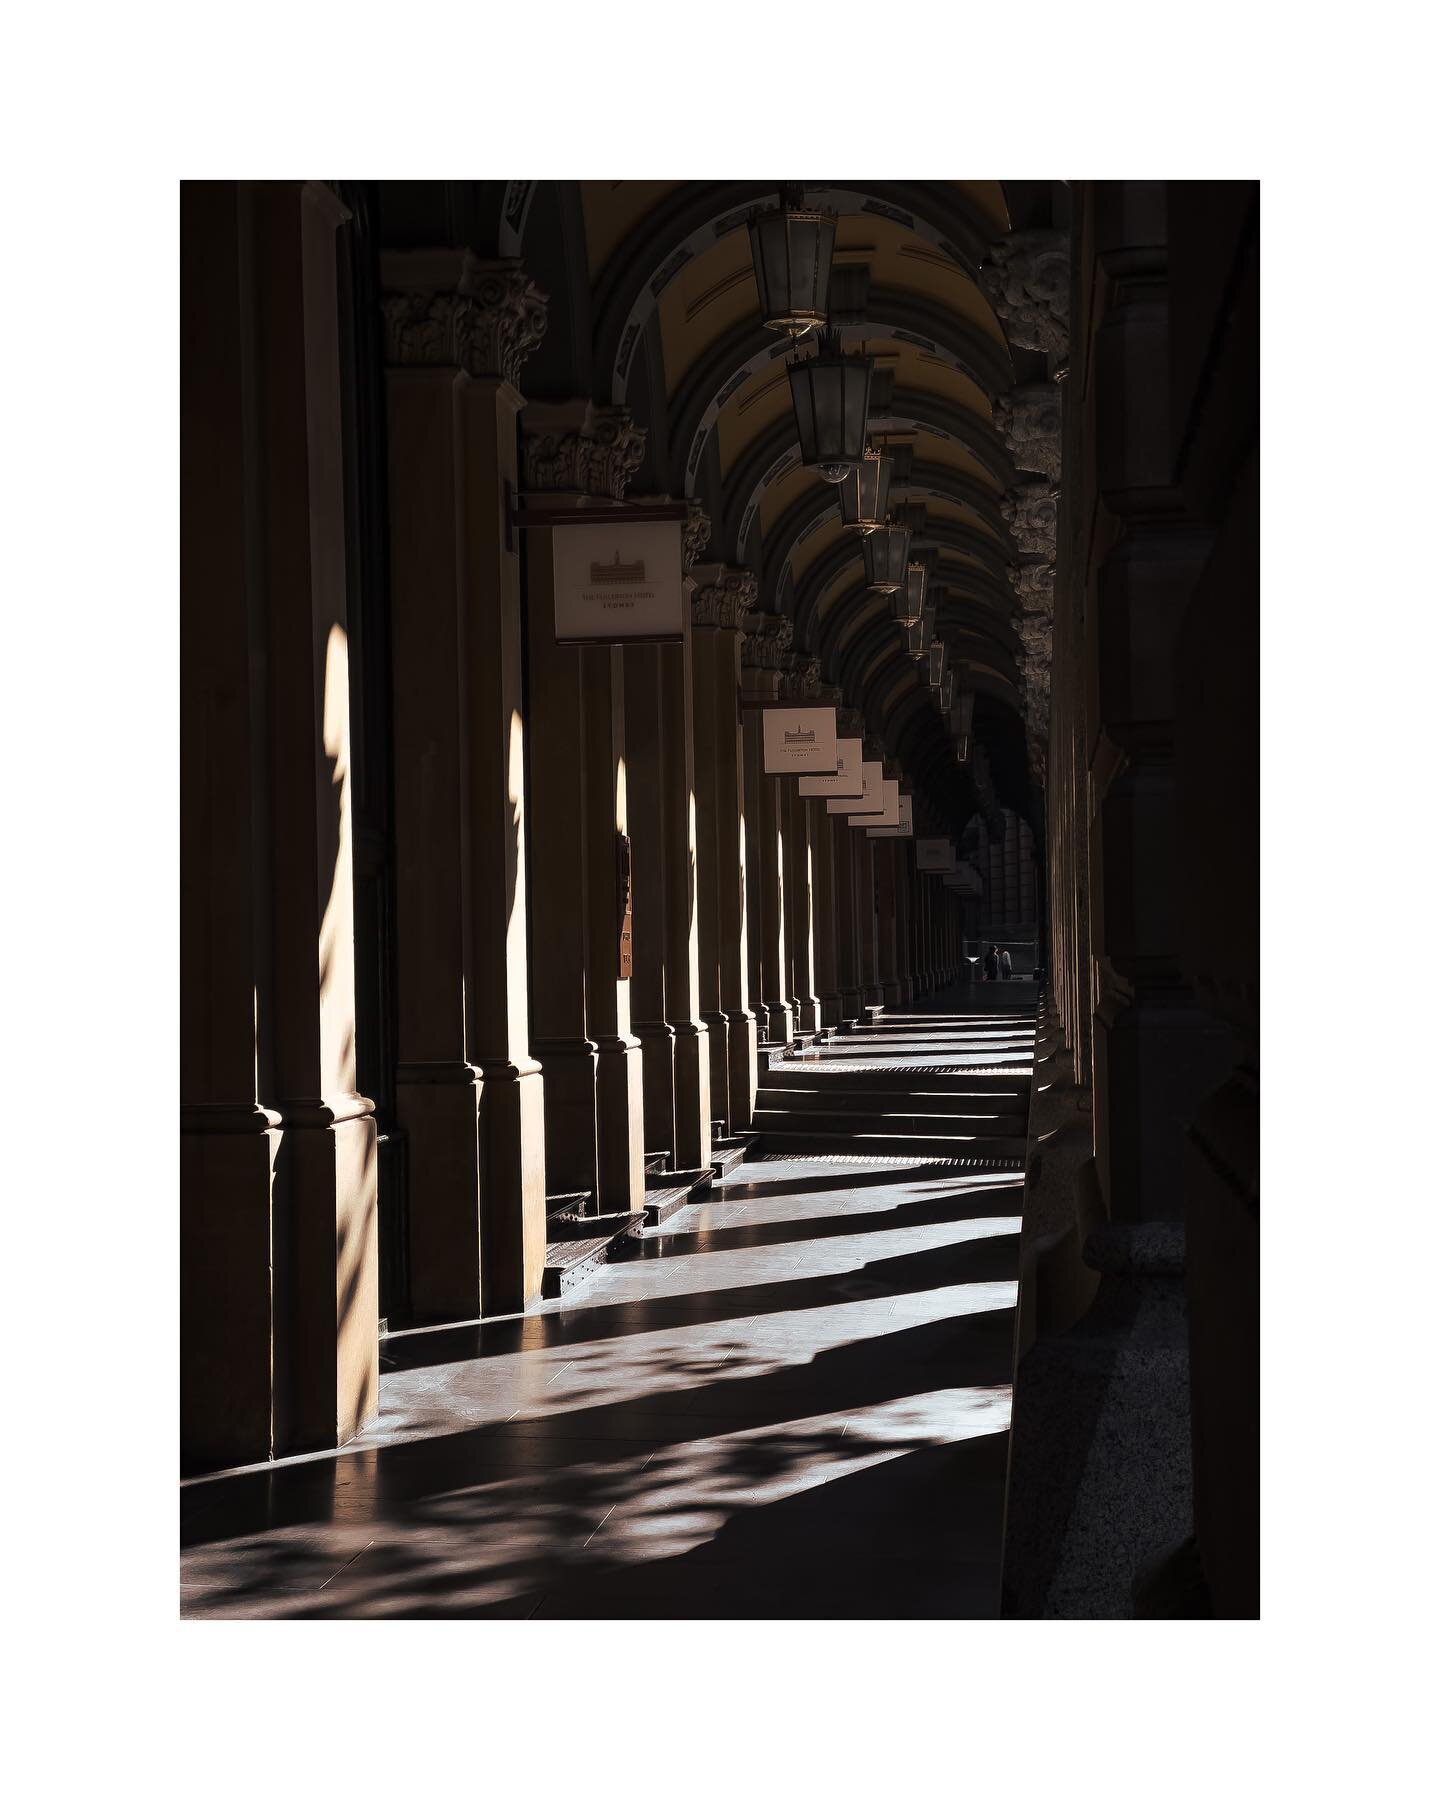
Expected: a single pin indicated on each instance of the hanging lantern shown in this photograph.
(791, 246)
(831, 395)
(887, 550)
(927, 620)
(937, 662)
(947, 691)
(915, 640)
(910, 598)
(865, 493)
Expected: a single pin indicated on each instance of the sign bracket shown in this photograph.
(522, 514)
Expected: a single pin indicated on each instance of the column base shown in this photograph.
(807, 1012)
(619, 1125)
(437, 1106)
(717, 1032)
(691, 1147)
(657, 1062)
(892, 992)
(743, 1038)
(568, 1065)
(779, 1022)
(832, 1008)
(512, 1186)
(280, 1342)
(851, 1000)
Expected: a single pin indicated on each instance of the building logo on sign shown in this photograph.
(617, 571)
(799, 737)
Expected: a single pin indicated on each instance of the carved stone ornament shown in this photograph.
(695, 534)
(1034, 584)
(455, 310)
(579, 448)
(802, 679)
(1032, 511)
(849, 722)
(1026, 278)
(768, 638)
(1028, 418)
(723, 596)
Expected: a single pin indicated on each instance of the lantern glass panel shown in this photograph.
(791, 249)
(886, 552)
(831, 395)
(910, 600)
(865, 493)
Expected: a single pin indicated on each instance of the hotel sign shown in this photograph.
(800, 739)
(906, 826)
(889, 813)
(935, 856)
(871, 799)
(617, 583)
(846, 780)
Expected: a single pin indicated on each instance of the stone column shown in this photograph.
(767, 639)
(580, 1021)
(645, 752)
(886, 922)
(822, 864)
(279, 1268)
(469, 1094)
(904, 942)
(721, 599)
(800, 920)
(873, 992)
(847, 935)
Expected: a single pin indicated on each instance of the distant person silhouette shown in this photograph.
(992, 964)
(1004, 965)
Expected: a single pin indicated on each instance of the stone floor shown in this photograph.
(793, 1403)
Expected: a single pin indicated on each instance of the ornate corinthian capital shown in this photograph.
(768, 637)
(1032, 511)
(1028, 418)
(801, 680)
(723, 596)
(576, 447)
(1027, 279)
(452, 309)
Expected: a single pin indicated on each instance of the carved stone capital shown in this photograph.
(801, 681)
(579, 448)
(1032, 511)
(1026, 277)
(1034, 585)
(1028, 418)
(768, 637)
(723, 596)
(452, 309)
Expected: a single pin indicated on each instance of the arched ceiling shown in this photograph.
(671, 286)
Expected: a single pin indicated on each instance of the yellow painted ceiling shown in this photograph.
(612, 210)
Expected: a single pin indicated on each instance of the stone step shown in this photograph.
(977, 1152)
(961, 1126)
(881, 1079)
(729, 1152)
(825, 1096)
(657, 1162)
(663, 1198)
(573, 1257)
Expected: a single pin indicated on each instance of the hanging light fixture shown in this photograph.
(887, 549)
(865, 493)
(947, 691)
(910, 598)
(791, 246)
(831, 395)
(937, 662)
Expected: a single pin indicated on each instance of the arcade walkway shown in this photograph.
(793, 1402)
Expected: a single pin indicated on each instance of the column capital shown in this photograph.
(1028, 418)
(1026, 278)
(801, 680)
(453, 309)
(723, 596)
(576, 447)
(768, 637)
(850, 722)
